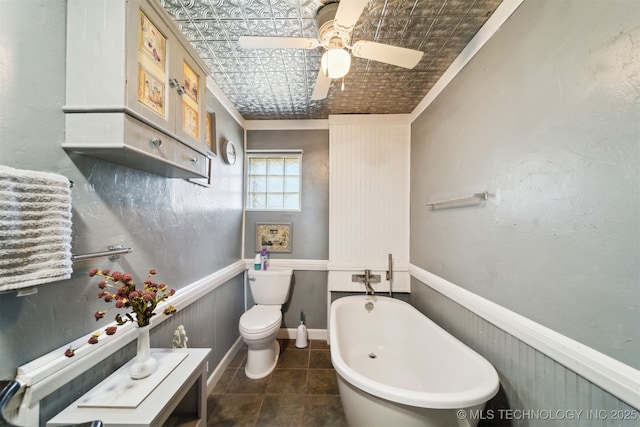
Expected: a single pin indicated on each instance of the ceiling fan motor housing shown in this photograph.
(327, 31)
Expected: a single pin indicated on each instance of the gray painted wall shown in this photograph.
(545, 118)
(309, 227)
(185, 231)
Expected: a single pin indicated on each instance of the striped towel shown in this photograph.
(35, 228)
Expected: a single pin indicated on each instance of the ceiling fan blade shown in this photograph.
(348, 13)
(257, 42)
(321, 89)
(394, 55)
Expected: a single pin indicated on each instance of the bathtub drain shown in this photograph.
(372, 355)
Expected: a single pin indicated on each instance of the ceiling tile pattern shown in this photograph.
(276, 84)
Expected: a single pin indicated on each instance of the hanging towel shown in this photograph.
(35, 228)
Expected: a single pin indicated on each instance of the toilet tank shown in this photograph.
(270, 287)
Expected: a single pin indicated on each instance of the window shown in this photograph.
(273, 180)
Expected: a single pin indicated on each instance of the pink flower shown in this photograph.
(140, 303)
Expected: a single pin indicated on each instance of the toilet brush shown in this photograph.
(301, 333)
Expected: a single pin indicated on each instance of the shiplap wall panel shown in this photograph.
(545, 392)
(369, 193)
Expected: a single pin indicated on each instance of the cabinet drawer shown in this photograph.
(163, 153)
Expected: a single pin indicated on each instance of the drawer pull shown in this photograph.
(194, 160)
(156, 142)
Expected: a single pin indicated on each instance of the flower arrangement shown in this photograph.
(119, 288)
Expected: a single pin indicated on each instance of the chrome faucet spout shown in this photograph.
(367, 278)
(367, 282)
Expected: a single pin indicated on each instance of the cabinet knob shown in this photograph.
(173, 83)
(194, 160)
(156, 142)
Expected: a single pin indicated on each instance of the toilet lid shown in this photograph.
(261, 317)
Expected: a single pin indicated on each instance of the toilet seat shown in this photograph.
(260, 319)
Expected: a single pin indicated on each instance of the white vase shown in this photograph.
(144, 365)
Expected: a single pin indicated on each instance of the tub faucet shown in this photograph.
(367, 278)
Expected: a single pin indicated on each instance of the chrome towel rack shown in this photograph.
(113, 252)
(476, 197)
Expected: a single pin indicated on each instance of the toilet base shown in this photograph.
(261, 362)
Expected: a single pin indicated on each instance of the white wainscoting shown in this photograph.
(369, 157)
(617, 378)
(44, 375)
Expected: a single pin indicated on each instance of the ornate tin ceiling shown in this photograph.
(277, 83)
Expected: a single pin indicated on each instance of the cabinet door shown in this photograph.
(191, 104)
(149, 49)
(164, 83)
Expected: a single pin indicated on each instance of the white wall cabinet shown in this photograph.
(135, 90)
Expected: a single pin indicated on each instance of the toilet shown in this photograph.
(260, 324)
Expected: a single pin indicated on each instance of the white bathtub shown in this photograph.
(396, 367)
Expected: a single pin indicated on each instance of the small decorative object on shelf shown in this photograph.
(120, 288)
(180, 338)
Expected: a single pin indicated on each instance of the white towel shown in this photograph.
(35, 228)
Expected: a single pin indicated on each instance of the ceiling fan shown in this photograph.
(336, 22)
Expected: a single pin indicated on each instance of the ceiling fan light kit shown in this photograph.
(335, 63)
(336, 22)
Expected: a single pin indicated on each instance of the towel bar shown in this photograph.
(473, 197)
(113, 253)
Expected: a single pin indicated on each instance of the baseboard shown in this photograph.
(312, 334)
(223, 365)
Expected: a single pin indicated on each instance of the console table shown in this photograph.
(174, 395)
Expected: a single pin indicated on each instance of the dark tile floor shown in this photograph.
(301, 391)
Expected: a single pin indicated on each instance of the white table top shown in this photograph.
(143, 399)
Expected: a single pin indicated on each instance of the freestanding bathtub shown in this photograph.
(396, 367)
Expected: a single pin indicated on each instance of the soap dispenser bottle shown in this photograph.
(264, 257)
